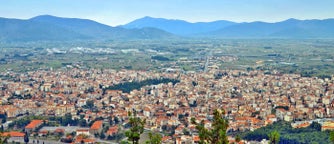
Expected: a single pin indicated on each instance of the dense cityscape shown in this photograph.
(251, 99)
(166, 72)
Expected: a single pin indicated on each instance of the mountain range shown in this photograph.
(291, 28)
(178, 27)
(52, 28)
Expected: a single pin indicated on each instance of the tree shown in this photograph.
(124, 142)
(1, 128)
(90, 104)
(102, 135)
(82, 123)
(185, 132)
(215, 134)
(66, 119)
(3, 138)
(26, 138)
(274, 137)
(4, 119)
(316, 126)
(237, 139)
(116, 120)
(331, 137)
(136, 129)
(154, 138)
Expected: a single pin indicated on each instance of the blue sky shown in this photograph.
(116, 12)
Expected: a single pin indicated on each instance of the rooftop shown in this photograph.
(33, 124)
(96, 125)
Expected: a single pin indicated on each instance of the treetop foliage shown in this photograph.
(215, 134)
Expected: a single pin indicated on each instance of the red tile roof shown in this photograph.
(96, 125)
(33, 124)
(13, 134)
(85, 140)
(82, 130)
(112, 130)
(59, 130)
(196, 139)
(165, 138)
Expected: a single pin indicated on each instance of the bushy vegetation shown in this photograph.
(136, 128)
(217, 133)
(52, 121)
(160, 58)
(311, 134)
(129, 86)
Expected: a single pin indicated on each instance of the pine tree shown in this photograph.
(274, 137)
(102, 135)
(154, 138)
(215, 134)
(26, 138)
(1, 128)
(331, 137)
(237, 139)
(137, 128)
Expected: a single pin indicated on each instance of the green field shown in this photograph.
(310, 57)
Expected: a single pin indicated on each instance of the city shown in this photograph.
(251, 100)
(166, 72)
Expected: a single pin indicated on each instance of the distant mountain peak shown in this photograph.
(51, 17)
(48, 27)
(291, 20)
(44, 16)
(175, 26)
(147, 17)
(152, 19)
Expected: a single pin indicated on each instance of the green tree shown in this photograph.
(215, 134)
(316, 126)
(67, 119)
(116, 120)
(124, 142)
(154, 139)
(185, 132)
(82, 123)
(3, 138)
(331, 137)
(90, 104)
(237, 139)
(137, 128)
(1, 128)
(4, 120)
(102, 135)
(26, 138)
(274, 137)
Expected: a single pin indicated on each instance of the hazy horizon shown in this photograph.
(119, 12)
